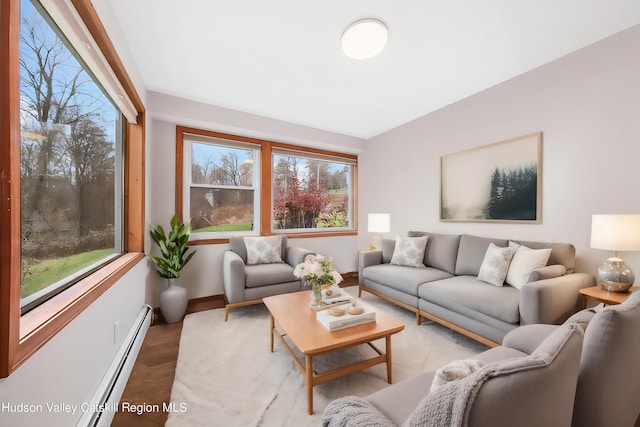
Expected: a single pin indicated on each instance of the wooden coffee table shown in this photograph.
(291, 314)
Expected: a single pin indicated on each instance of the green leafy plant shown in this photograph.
(173, 248)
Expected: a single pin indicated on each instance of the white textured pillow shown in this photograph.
(524, 261)
(409, 251)
(495, 264)
(454, 371)
(263, 250)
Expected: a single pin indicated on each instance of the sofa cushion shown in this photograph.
(441, 250)
(561, 253)
(466, 294)
(388, 247)
(409, 251)
(405, 279)
(471, 253)
(268, 274)
(495, 264)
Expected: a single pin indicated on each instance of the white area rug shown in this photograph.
(226, 375)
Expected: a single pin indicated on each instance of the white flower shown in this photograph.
(317, 270)
(337, 278)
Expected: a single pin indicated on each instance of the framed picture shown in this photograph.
(500, 182)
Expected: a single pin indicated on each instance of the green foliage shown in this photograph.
(172, 247)
(38, 275)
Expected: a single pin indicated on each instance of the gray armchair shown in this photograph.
(512, 389)
(246, 284)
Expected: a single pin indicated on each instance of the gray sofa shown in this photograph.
(446, 290)
(595, 385)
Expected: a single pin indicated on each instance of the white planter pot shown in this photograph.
(173, 302)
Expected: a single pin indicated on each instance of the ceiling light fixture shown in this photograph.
(364, 38)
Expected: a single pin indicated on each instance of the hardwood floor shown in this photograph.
(152, 375)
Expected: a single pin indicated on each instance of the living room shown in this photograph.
(585, 104)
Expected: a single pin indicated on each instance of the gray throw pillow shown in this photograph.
(263, 250)
(409, 251)
(495, 264)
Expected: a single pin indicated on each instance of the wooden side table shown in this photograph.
(599, 294)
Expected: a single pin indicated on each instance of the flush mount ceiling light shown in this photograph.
(364, 38)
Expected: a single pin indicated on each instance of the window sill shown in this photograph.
(42, 323)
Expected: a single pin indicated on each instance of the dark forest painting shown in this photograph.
(496, 182)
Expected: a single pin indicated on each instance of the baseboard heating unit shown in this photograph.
(104, 403)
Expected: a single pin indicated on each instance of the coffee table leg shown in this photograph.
(309, 378)
(272, 331)
(388, 349)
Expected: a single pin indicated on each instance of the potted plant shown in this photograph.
(173, 248)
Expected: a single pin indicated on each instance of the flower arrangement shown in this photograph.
(317, 270)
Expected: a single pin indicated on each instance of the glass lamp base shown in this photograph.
(615, 275)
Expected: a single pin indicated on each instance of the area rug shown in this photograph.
(226, 375)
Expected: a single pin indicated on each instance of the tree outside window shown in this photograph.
(310, 193)
(70, 137)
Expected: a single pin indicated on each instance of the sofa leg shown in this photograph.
(227, 309)
(417, 318)
(359, 291)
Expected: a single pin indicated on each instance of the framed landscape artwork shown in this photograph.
(500, 182)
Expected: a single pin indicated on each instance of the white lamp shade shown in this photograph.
(364, 38)
(379, 223)
(616, 232)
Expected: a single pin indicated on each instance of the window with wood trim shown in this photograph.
(222, 186)
(229, 185)
(66, 149)
(71, 163)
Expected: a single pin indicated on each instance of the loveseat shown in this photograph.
(257, 267)
(594, 385)
(442, 283)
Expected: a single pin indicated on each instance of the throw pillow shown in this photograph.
(524, 261)
(495, 264)
(263, 250)
(454, 371)
(409, 251)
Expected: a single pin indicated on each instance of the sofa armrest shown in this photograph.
(296, 255)
(233, 277)
(368, 258)
(552, 301)
(528, 337)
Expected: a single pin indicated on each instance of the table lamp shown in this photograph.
(620, 232)
(378, 223)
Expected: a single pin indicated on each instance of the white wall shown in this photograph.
(203, 276)
(70, 366)
(586, 104)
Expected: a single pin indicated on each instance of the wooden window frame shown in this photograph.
(22, 336)
(265, 182)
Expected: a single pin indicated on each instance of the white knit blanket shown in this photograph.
(353, 411)
(448, 406)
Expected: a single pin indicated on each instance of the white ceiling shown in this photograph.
(282, 59)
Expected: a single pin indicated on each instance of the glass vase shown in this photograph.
(316, 295)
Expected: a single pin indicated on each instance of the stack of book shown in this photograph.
(346, 320)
